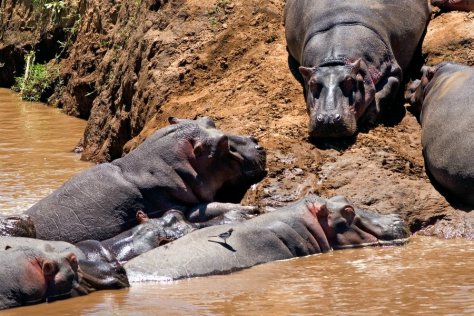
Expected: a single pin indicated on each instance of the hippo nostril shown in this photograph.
(320, 117)
(258, 147)
(337, 117)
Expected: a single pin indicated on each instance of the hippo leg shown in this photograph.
(209, 211)
(390, 86)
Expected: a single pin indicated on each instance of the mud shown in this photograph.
(134, 63)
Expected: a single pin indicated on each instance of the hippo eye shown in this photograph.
(340, 227)
(315, 87)
(347, 86)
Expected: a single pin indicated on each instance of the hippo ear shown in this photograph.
(349, 214)
(173, 120)
(48, 267)
(142, 217)
(306, 72)
(355, 67)
(72, 259)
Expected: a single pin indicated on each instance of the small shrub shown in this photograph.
(37, 79)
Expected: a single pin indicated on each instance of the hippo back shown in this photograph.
(393, 21)
(447, 129)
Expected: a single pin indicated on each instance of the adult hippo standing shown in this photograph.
(445, 96)
(312, 225)
(184, 166)
(352, 55)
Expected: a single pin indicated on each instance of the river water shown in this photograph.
(428, 276)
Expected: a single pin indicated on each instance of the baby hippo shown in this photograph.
(446, 99)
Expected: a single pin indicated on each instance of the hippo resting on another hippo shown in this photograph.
(185, 166)
(312, 225)
(34, 271)
(445, 96)
(352, 56)
(454, 5)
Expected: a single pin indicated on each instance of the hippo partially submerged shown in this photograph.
(185, 166)
(312, 225)
(454, 5)
(445, 96)
(17, 225)
(34, 271)
(352, 55)
(30, 276)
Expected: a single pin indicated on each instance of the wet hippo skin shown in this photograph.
(186, 166)
(74, 272)
(312, 225)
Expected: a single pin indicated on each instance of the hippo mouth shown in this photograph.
(57, 297)
(346, 126)
(378, 243)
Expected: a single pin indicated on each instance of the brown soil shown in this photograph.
(135, 63)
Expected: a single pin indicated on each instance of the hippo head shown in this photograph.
(338, 93)
(415, 90)
(347, 227)
(99, 269)
(44, 276)
(227, 165)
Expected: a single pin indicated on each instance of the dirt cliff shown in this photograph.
(134, 63)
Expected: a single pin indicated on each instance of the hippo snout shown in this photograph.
(332, 124)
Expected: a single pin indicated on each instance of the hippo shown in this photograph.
(154, 232)
(186, 166)
(148, 234)
(454, 5)
(91, 270)
(17, 225)
(352, 55)
(446, 101)
(31, 276)
(309, 226)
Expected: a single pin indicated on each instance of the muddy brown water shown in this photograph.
(428, 276)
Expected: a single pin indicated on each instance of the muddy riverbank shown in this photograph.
(132, 64)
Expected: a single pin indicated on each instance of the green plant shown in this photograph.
(71, 33)
(36, 80)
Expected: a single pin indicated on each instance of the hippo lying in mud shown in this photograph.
(352, 55)
(312, 225)
(185, 166)
(21, 226)
(445, 96)
(454, 5)
(34, 271)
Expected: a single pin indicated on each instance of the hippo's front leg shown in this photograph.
(220, 213)
(390, 81)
